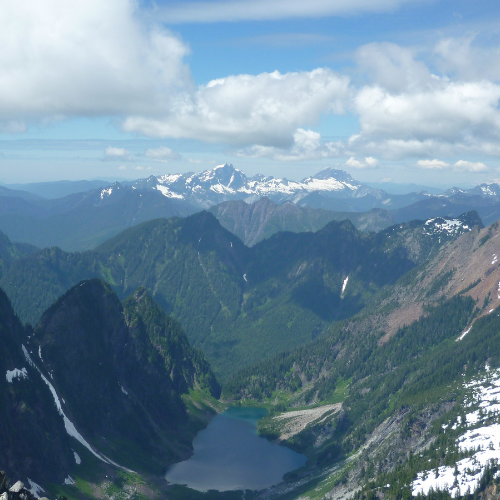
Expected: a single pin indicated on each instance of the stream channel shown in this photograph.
(230, 455)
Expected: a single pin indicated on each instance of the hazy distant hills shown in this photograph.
(59, 189)
(260, 220)
(83, 220)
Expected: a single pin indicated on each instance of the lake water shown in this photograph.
(230, 455)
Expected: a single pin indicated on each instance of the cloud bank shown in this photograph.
(265, 109)
(93, 58)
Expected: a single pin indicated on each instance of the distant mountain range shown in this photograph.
(331, 189)
(83, 220)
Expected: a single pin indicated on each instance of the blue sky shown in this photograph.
(385, 89)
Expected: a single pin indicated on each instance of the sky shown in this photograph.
(402, 91)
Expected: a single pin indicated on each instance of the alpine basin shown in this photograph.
(230, 455)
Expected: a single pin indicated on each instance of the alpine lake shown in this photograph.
(230, 455)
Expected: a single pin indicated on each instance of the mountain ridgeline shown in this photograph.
(249, 302)
(99, 380)
(78, 216)
(258, 221)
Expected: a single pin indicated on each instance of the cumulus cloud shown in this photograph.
(464, 59)
(244, 10)
(433, 164)
(307, 145)
(409, 111)
(116, 154)
(450, 112)
(451, 117)
(368, 162)
(263, 109)
(459, 166)
(161, 154)
(393, 67)
(85, 57)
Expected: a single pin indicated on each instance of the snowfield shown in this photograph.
(481, 437)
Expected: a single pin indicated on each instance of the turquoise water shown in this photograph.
(230, 455)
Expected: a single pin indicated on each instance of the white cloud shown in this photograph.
(409, 112)
(462, 58)
(85, 58)
(469, 166)
(459, 166)
(449, 118)
(265, 109)
(433, 164)
(393, 67)
(368, 162)
(116, 154)
(307, 139)
(245, 10)
(307, 145)
(91, 58)
(449, 112)
(122, 167)
(162, 154)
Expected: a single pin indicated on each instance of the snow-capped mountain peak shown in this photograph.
(224, 182)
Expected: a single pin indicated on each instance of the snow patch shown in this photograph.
(441, 224)
(123, 390)
(344, 285)
(69, 426)
(463, 334)
(106, 192)
(35, 489)
(78, 460)
(245, 277)
(69, 480)
(16, 373)
(165, 191)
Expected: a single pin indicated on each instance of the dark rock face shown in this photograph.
(120, 371)
(116, 372)
(34, 442)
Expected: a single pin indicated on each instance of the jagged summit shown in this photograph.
(485, 190)
(225, 182)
